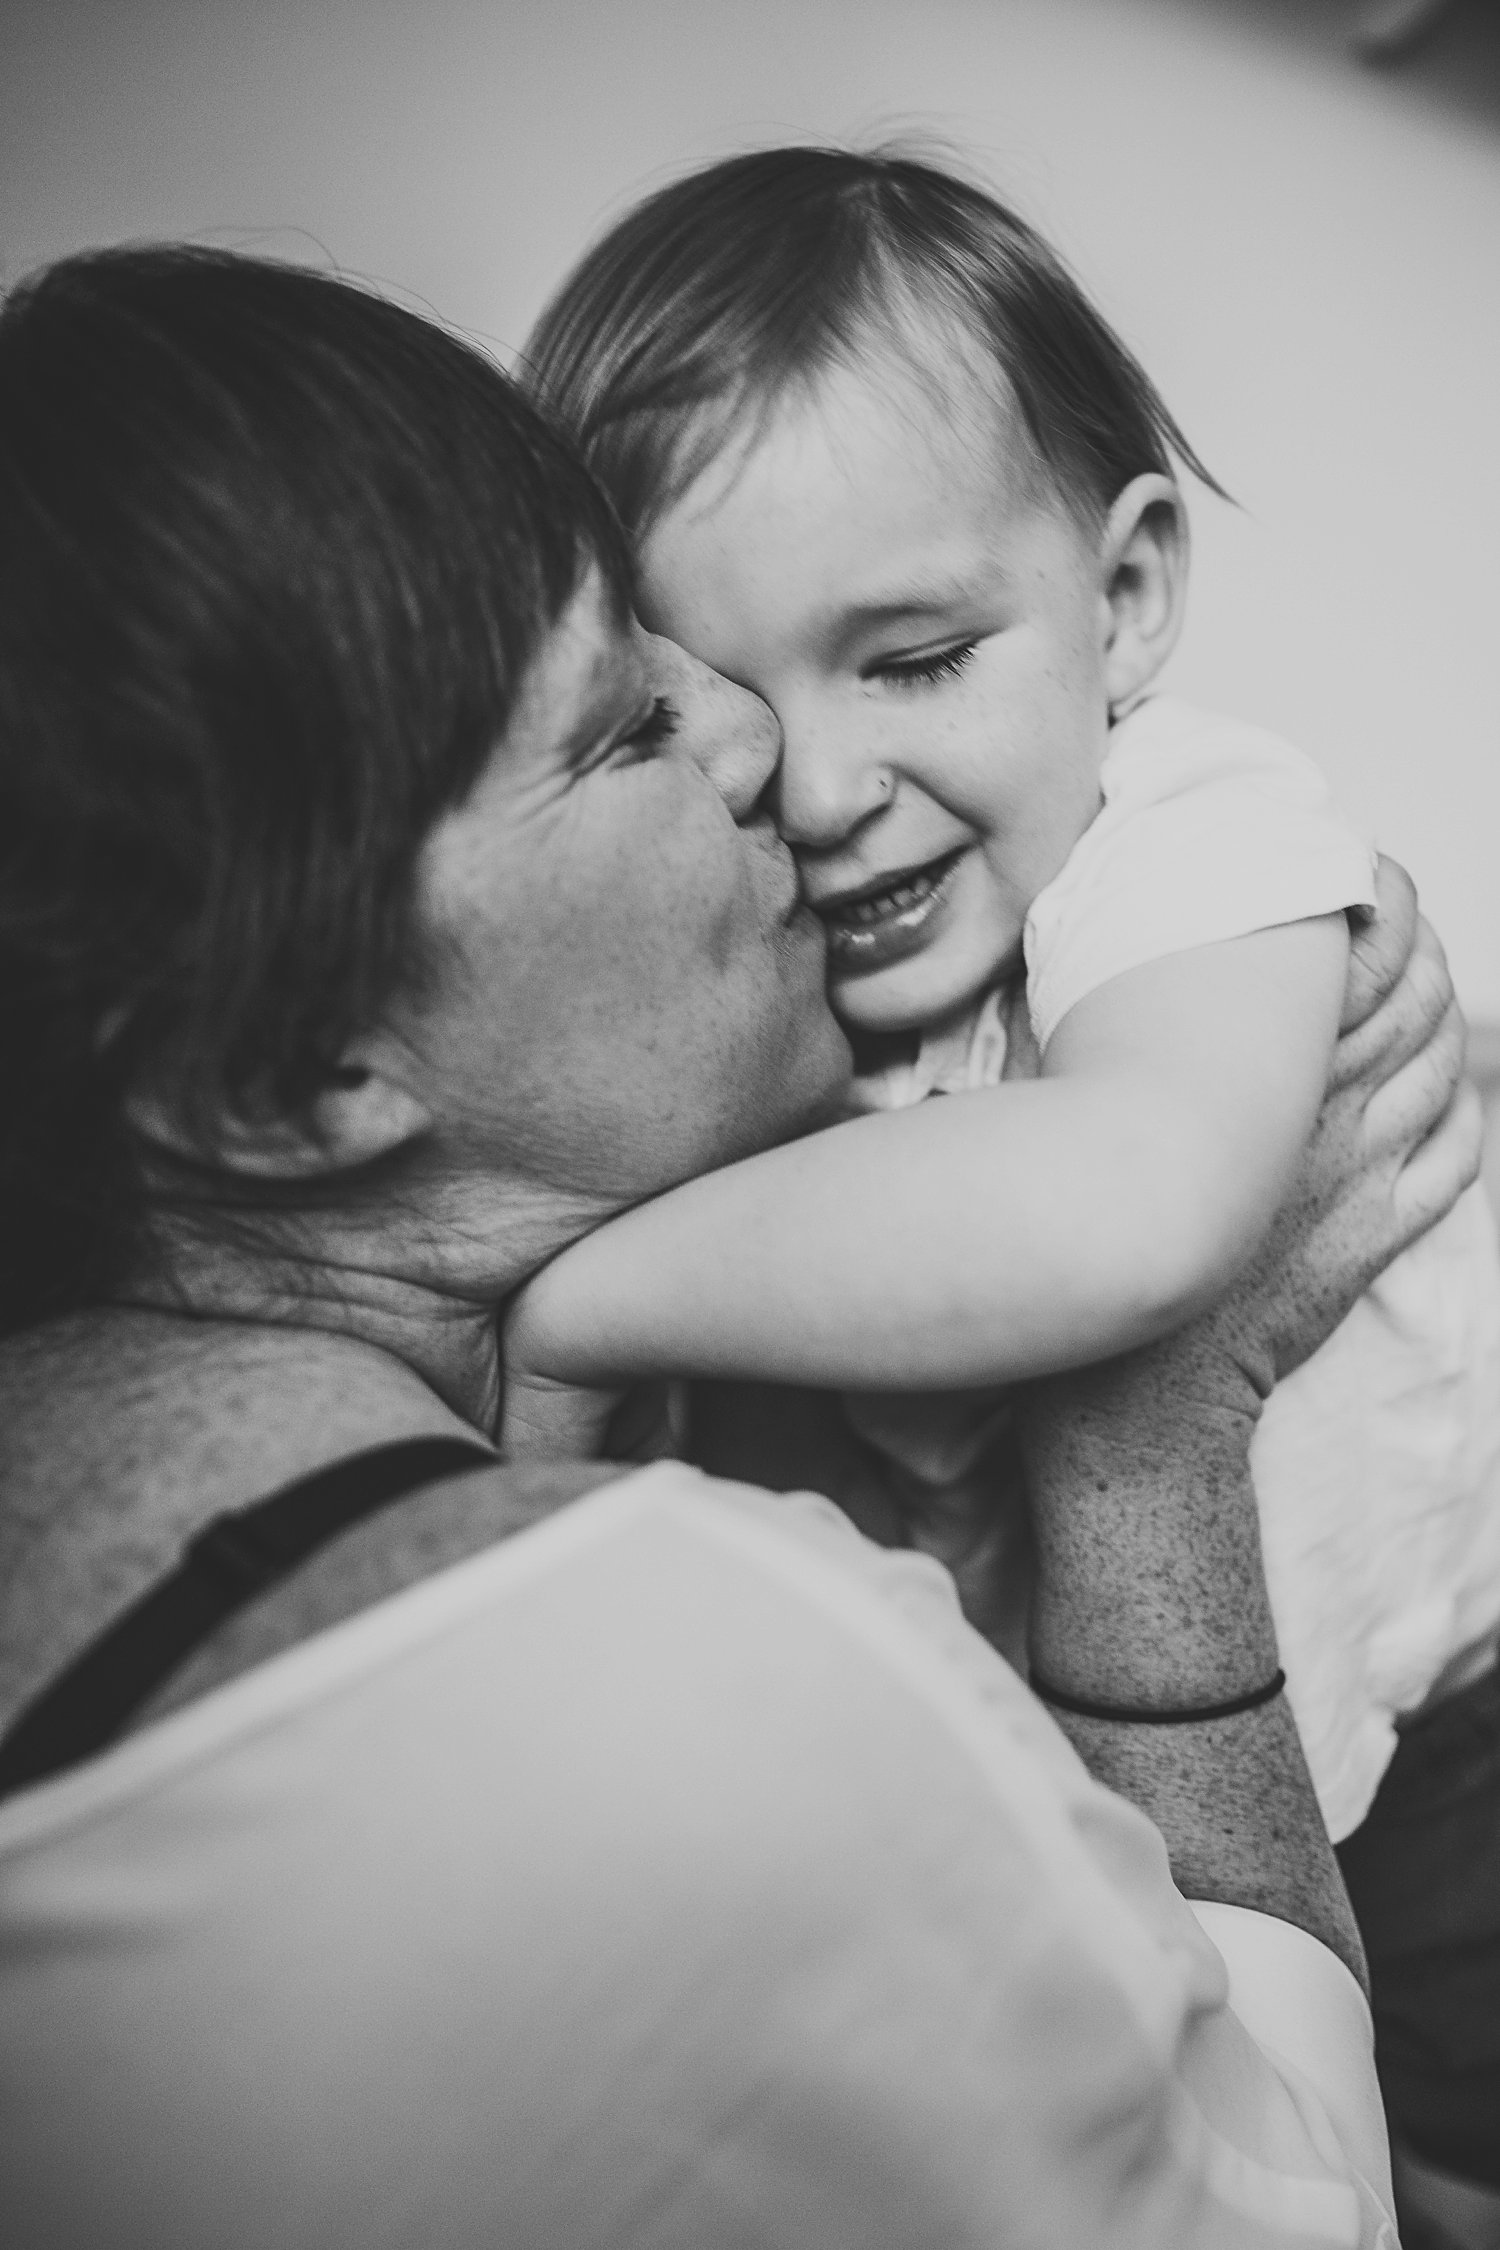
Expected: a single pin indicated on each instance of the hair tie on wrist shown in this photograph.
(1139, 1716)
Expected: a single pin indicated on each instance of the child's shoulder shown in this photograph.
(1165, 748)
(1210, 829)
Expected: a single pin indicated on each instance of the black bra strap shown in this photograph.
(232, 1559)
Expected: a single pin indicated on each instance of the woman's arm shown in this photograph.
(1150, 1590)
(988, 1238)
(1150, 1593)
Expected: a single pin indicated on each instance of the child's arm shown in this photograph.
(988, 1236)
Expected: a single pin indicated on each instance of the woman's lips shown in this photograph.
(880, 926)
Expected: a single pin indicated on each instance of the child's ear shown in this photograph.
(1144, 558)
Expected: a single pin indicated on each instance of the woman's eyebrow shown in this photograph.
(614, 701)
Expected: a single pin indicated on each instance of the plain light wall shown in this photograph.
(1307, 258)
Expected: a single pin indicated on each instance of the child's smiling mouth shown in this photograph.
(887, 918)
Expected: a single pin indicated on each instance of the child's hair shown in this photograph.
(273, 557)
(707, 303)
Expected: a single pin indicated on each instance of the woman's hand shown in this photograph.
(1396, 1144)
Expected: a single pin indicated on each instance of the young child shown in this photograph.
(886, 466)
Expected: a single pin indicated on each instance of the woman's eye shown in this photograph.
(658, 727)
(924, 671)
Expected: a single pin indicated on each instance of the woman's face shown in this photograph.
(627, 989)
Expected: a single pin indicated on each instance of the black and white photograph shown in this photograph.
(750, 1125)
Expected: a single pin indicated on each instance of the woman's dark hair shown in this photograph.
(273, 556)
(713, 298)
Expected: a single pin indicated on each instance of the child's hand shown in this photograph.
(544, 1417)
(545, 1420)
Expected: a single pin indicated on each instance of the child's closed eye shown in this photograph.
(925, 671)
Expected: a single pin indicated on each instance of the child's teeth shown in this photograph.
(899, 897)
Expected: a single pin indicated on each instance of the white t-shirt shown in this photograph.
(681, 1873)
(1377, 1464)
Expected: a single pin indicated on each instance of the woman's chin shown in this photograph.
(813, 1083)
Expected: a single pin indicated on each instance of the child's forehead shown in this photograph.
(921, 353)
(929, 376)
(882, 486)
(926, 403)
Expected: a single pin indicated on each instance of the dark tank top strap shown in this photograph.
(235, 1557)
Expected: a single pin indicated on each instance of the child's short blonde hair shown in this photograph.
(707, 303)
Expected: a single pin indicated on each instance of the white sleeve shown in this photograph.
(1209, 830)
(1302, 2005)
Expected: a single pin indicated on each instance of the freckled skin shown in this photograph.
(769, 567)
(636, 996)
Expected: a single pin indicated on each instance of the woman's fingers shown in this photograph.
(1396, 1144)
(1402, 1020)
(1400, 1112)
(1441, 1167)
(1382, 946)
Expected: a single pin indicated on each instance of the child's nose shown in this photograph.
(824, 793)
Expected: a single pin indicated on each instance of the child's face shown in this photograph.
(930, 626)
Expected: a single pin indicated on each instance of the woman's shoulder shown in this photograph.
(122, 1434)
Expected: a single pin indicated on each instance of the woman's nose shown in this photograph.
(827, 789)
(728, 732)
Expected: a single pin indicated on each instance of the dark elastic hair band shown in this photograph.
(1138, 1715)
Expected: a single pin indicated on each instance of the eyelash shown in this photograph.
(926, 671)
(658, 727)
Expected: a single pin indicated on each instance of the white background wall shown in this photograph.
(1307, 257)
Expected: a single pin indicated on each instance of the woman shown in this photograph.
(380, 910)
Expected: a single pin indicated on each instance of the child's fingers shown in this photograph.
(645, 1424)
(545, 1421)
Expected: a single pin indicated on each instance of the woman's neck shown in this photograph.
(123, 1412)
(444, 1341)
(419, 1287)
